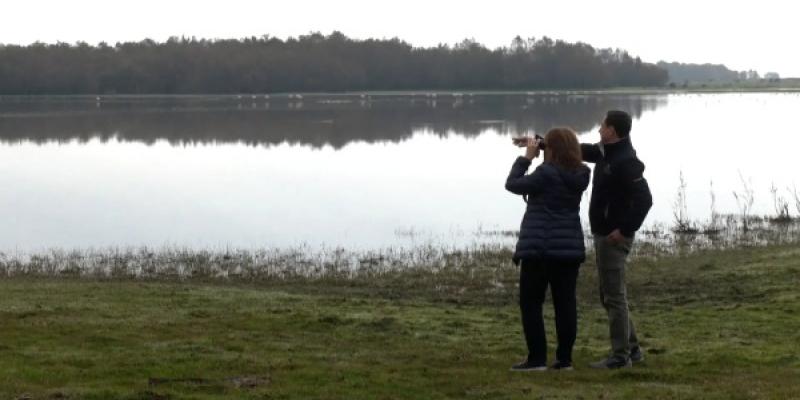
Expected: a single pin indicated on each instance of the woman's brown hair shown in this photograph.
(563, 148)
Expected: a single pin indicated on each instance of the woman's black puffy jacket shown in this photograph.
(551, 228)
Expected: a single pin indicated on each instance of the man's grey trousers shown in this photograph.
(613, 295)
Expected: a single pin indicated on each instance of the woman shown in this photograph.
(550, 248)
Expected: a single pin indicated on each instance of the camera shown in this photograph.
(522, 141)
(540, 141)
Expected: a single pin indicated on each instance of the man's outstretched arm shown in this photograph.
(591, 152)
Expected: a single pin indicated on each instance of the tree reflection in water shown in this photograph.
(308, 120)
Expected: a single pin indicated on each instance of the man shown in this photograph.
(620, 201)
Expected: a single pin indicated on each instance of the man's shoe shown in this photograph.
(525, 366)
(636, 354)
(562, 366)
(611, 363)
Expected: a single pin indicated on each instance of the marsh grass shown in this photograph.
(480, 268)
(796, 198)
(744, 201)
(483, 268)
(780, 204)
(680, 210)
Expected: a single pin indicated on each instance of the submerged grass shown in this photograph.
(716, 324)
(481, 270)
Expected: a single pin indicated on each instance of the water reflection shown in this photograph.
(303, 119)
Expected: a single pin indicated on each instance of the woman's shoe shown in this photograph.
(526, 366)
(562, 366)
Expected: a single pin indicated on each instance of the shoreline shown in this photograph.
(244, 96)
(427, 264)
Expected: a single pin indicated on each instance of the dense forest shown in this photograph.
(314, 63)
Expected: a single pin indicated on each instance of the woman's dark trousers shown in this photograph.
(534, 278)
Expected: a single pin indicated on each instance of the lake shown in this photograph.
(360, 171)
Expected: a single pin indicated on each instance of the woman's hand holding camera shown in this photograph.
(532, 149)
(531, 145)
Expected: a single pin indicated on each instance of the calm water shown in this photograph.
(355, 171)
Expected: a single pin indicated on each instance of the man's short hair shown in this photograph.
(621, 121)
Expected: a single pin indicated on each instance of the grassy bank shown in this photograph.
(715, 324)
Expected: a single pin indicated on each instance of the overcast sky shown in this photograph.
(760, 35)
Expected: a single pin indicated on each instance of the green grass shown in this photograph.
(715, 325)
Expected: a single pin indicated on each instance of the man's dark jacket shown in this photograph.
(620, 194)
(551, 227)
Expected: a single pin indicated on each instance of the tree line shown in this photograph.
(314, 63)
(709, 73)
